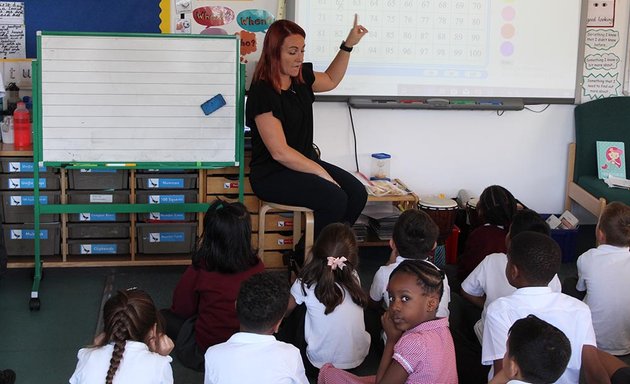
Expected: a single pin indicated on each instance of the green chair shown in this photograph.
(599, 120)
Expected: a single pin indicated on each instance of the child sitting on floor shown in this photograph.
(533, 260)
(496, 207)
(603, 273)
(415, 235)
(253, 355)
(536, 353)
(132, 349)
(419, 347)
(488, 282)
(203, 313)
(329, 287)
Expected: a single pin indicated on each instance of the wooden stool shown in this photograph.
(297, 225)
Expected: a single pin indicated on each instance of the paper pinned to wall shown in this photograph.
(605, 53)
(12, 30)
(11, 12)
(247, 18)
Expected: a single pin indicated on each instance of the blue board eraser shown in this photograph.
(213, 104)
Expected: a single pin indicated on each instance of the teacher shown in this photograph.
(285, 168)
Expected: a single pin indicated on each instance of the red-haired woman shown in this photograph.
(285, 168)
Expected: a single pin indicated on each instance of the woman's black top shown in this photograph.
(294, 109)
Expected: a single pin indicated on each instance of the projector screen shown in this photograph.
(525, 49)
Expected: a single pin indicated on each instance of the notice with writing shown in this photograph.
(12, 30)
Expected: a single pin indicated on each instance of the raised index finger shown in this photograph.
(356, 19)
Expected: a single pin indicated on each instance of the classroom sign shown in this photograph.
(605, 50)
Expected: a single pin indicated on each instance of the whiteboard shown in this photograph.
(136, 98)
(449, 48)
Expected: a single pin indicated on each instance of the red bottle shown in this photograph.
(22, 135)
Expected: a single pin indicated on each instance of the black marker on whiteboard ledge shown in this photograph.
(213, 104)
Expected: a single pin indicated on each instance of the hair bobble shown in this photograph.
(334, 262)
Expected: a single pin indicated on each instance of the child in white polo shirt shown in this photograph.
(536, 352)
(533, 260)
(253, 355)
(415, 235)
(330, 290)
(488, 282)
(603, 272)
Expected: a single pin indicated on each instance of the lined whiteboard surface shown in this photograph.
(137, 98)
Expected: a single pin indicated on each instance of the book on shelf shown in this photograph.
(611, 159)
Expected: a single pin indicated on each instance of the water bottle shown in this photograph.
(22, 136)
(13, 97)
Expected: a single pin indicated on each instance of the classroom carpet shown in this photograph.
(41, 346)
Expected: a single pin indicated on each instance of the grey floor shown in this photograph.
(41, 346)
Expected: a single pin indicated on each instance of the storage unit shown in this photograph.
(566, 239)
(131, 237)
(18, 200)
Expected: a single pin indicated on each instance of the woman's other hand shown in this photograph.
(326, 176)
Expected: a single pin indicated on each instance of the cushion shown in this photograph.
(599, 120)
(598, 188)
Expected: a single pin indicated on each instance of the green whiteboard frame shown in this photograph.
(38, 159)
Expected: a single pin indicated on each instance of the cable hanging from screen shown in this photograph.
(354, 136)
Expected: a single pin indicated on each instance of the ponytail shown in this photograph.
(336, 241)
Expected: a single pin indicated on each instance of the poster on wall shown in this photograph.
(247, 18)
(12, 30)
(605, 49)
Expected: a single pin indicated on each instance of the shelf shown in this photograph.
(11, 150)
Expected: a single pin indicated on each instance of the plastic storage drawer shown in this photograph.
(166, 181)
(20, 165)
(92, 230)
(99, 247)
(19, 239)
(98, 179)
(17, 206)
(166, 238)
(166, 197)
(48, 181)
(98, 197)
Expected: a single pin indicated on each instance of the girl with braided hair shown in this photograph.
(496, 207)
(132, 347)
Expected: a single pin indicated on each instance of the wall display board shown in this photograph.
(247, 18)
(450, 48)
(606, 49)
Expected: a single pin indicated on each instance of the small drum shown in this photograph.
(471, 211)
(443, 211)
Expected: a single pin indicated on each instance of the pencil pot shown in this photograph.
(22, 136)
